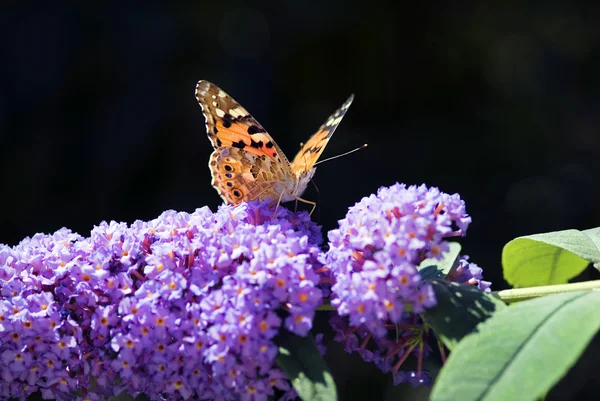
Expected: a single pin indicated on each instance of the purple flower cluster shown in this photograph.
(376, 250)
(373, 257)
(186, 305)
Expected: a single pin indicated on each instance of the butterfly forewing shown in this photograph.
(229, 124)
(312, 149)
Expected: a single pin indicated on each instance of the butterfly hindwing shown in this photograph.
(229, 124)
(311, 151)
(241, 176)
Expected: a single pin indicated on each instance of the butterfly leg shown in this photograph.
(277, 207)
(314, 204)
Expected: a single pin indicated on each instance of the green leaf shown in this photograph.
(522, 351)
(301, 361)
(549, 258)
(431, 272)
(460, 308)
(436, 268)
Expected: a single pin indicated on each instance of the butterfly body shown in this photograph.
(247, 164)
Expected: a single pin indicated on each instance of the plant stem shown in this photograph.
(523, 294)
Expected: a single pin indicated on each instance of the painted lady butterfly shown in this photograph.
(247, 163)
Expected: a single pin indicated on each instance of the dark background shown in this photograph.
(500, 103)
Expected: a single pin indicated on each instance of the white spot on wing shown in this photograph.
(248, 177)
(334, 121)
(220, 112)
(238, 112)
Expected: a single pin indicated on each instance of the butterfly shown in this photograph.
(247, 163)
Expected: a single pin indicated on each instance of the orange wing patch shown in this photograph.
(313, 148)
(230, 125)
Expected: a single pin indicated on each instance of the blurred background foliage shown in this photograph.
(498, 101)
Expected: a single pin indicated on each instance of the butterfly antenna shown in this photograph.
(343, 154)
